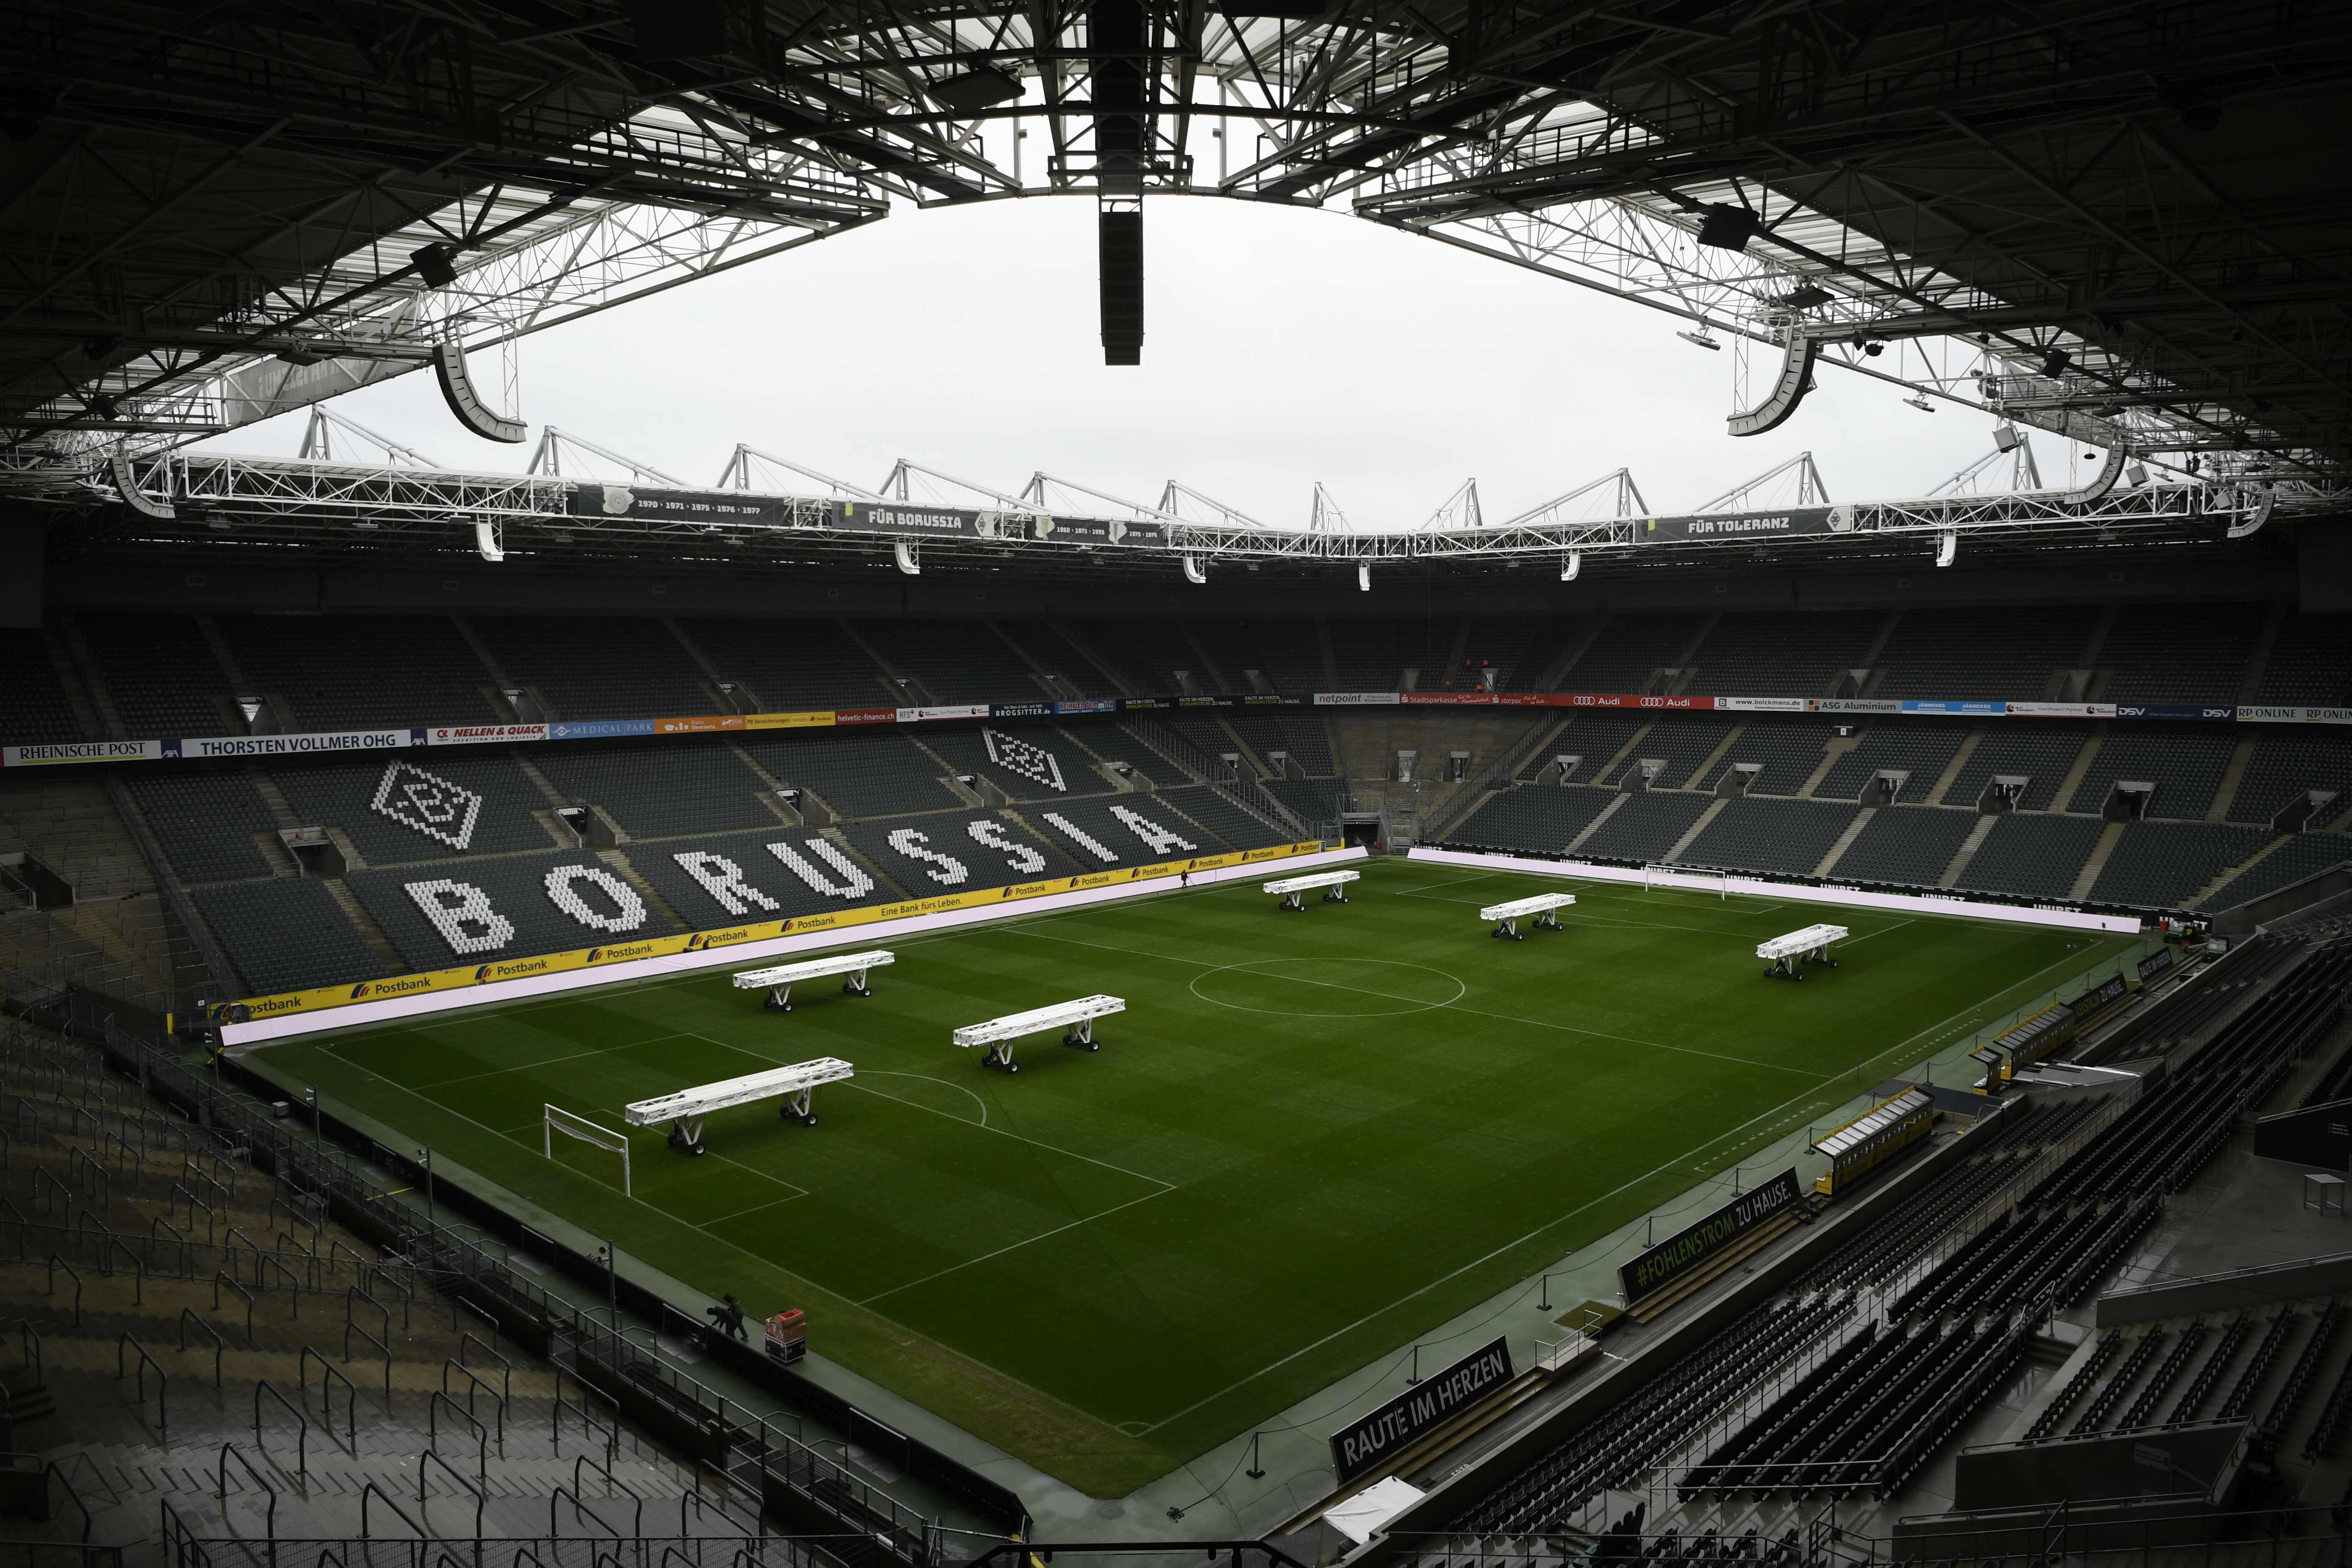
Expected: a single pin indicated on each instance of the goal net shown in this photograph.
(1661, 874)
(557, 1120)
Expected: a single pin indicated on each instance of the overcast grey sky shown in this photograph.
(1283, 347)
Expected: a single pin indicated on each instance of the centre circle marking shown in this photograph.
(1264, 965)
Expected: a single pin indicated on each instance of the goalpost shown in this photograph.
(556, 1120)
(1655, 874)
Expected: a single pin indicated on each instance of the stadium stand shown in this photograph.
(940, 853)
(2186, 765)
(1793, 653)
(600, 666)
(2161, 864)
(1647, 826)
(1629, 649)
(1223, 819)
(2031, 855)
(1201, 732)
(654, 788)
(2043, 755)
(2301, 854)
(1257, 730)
(1109, 651)
(1308, 742)
(1372, 655)
(956, 661)
(1979, 653)
(1906, 846)
(791, 665)
(419, 805)
(1594, 736)
(161, 675)
(858, 773)
(34, 707)
(1317, 803)
(1288, 652)
(1786, 749)
(1682, 744)
(1924, 749)
(524, 917)
(1785, 837)
(2310, 665)
(1028, 761)
(1533, 818)
(1059, 656)
(2284, 766)
(286, 935)
(2180, 653)
(1504, 644)
(359, 672)
(206, 821)
(1155, 649)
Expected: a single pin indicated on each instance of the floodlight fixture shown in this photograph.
(1805, 296)
(2005, 438)
(1726, 227)
(1701, 339)
(2135, 472)
(1919, 402)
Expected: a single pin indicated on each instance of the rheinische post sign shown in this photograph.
(1364, 1443)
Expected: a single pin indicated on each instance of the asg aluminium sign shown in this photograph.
(1688, 1248)
(1363, 1444)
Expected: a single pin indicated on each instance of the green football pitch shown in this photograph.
(1309, 1138)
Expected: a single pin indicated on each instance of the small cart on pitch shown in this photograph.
(1783, 954)
(1544, 907)
(1331, 882)
(778, 981)
(1074, 1019)
(795, 1085)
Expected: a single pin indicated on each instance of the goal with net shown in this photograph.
(556, 1119)
(1691, 879)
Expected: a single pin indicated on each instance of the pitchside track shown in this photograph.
(1307, 1140)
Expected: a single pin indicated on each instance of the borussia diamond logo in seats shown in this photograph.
(428, 803)
(1015, 755)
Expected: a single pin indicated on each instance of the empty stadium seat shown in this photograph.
(1595, 736)
(33, 708)
(1783, 653)
(1923, 748)
(1980, 653)
(1059, 656)
(858, 772)
(747, 877)
(1681, 743)
(1028, 761)
(1786, 750)
(2303, 855)
(792, 665)
(1906, 846)
(206, 821)
(1223, 819)
(1110, 831)
(654, 788)
(2310, 664)
(420, 806)
(600, 666)
(2284, 766)
(2185, 764)
(1534, 818)
(2159, 865)
(361, 672)
(1782, 838)
(286, 935)
(1645, 826)
(957, 662)
(161, 675)
(2032, 856)
(2180, 653)
(2041, 753)
(1629, 649)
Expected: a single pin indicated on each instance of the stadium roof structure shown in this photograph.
(2126, 223)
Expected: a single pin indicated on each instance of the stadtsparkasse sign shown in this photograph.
(1364, 1443)
(1694, 1245)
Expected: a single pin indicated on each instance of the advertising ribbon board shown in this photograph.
(1967, 706)
(81, 751)
(1688, 1248)
(293, 745)
(482, 734)
(821, 717)
(906, 521)
(679, 506)
(1796, 521)
(2175, 711)
(1364, 1443)
(594, 728)
(701, 724)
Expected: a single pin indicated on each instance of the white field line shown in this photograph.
(1016, 1246)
